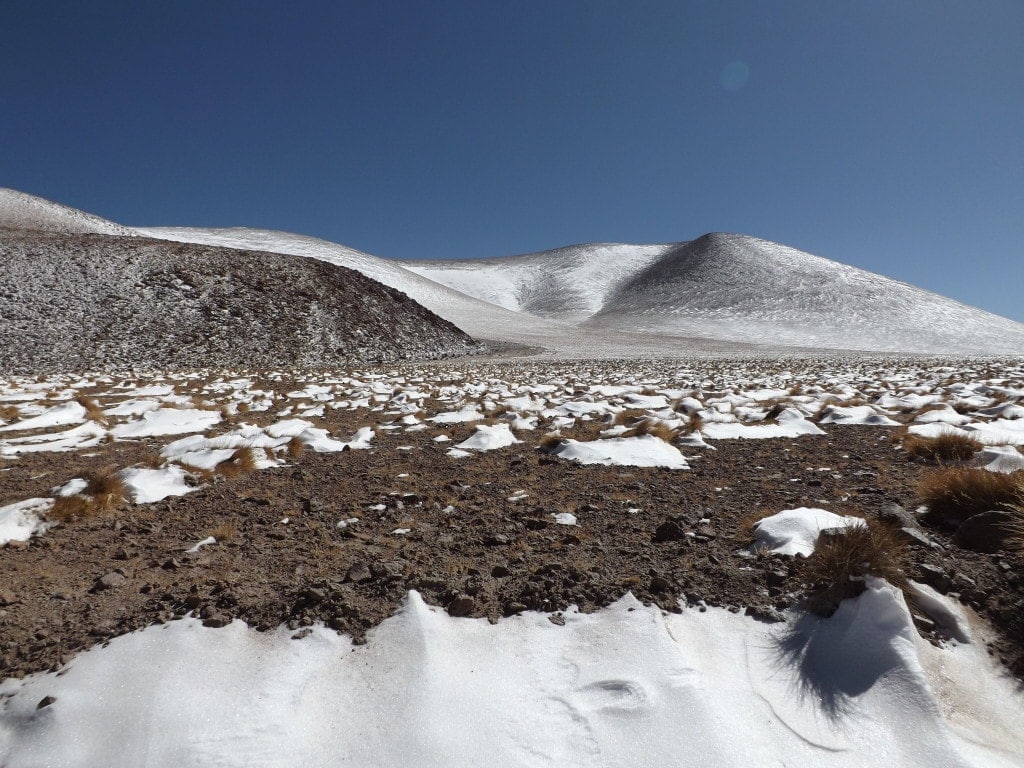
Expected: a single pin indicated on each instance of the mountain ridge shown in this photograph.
(689, 297)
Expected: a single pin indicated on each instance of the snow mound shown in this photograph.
(21, 520)
(489, 438)
(640, 451)
(796, 531)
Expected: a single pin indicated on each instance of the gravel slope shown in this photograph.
(101, 302)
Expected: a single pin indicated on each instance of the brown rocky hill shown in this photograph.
(75, 302)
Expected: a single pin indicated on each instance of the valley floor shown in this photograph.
(600, 514)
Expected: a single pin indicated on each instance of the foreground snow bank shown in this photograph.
(627, 686)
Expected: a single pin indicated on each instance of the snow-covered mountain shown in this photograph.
(720, 293)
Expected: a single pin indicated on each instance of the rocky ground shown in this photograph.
(132, 302)
(340, 538)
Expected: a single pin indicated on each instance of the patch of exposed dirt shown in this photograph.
(481, 538)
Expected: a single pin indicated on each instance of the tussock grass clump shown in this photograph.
(295, 448)
(550, 442)
(694, 425)
(242, 462)
(955, 493)
(224, 531)
(93, 412)
(652, 427)
(843, 557)
(1015, 530)
(106, 489)
(9, 413)
(942, 449)
(68, 508)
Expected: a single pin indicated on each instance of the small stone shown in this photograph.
(7, 597)
(669, 530)
(120, 554)
(461, 606)
(514, 608)
(499, 571)
(110, 580)
(557, 620)
(46, 701)
(496, 540)
(894, 513)
(314, 595)
(170, 565)
(660, 584)
(358, 572)
(935, 577)
(15, 544)
(916, 534)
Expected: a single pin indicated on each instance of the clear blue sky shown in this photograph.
(888, 134)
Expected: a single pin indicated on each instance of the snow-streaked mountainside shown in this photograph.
(720, 293)
(21, 211)
(730, 287)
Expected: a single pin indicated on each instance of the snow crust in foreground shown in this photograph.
(627, 686)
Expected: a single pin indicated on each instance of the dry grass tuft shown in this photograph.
(68, 508)
(92, 409)
(9, 413)
(955, 493)
(106, 489)
(942, 449)
(295, 448)
(652, 427)
(242, 462)
(843, 557)
(1015, 535)
(695, 424)
(224, 531)
(550, 442)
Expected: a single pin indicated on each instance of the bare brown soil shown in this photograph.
(281, 557)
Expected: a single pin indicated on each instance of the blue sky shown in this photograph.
(887, 134)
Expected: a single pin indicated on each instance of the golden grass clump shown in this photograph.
(843, 558)
(945, 448)
(955, 493)
(242, 462)
(225, 531)
(295, 447)
(68, 508)
(93, 411)
(550, 442)
(694, 425)
(106, 489)
(9, 413)
(652, 427)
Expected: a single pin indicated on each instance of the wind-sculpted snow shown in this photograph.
(627, 686)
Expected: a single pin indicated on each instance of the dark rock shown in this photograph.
(660, 584)
(499, 571)
(935, 577)
(514, 608)
(461, 606)
(557, 620)
(496, 540)
(669, 530)
(46, 701)
(984, 532)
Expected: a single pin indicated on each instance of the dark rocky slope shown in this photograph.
(73, 302)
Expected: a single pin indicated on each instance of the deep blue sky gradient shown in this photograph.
(887, 134)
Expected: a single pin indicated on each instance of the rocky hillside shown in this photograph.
(101, 302)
